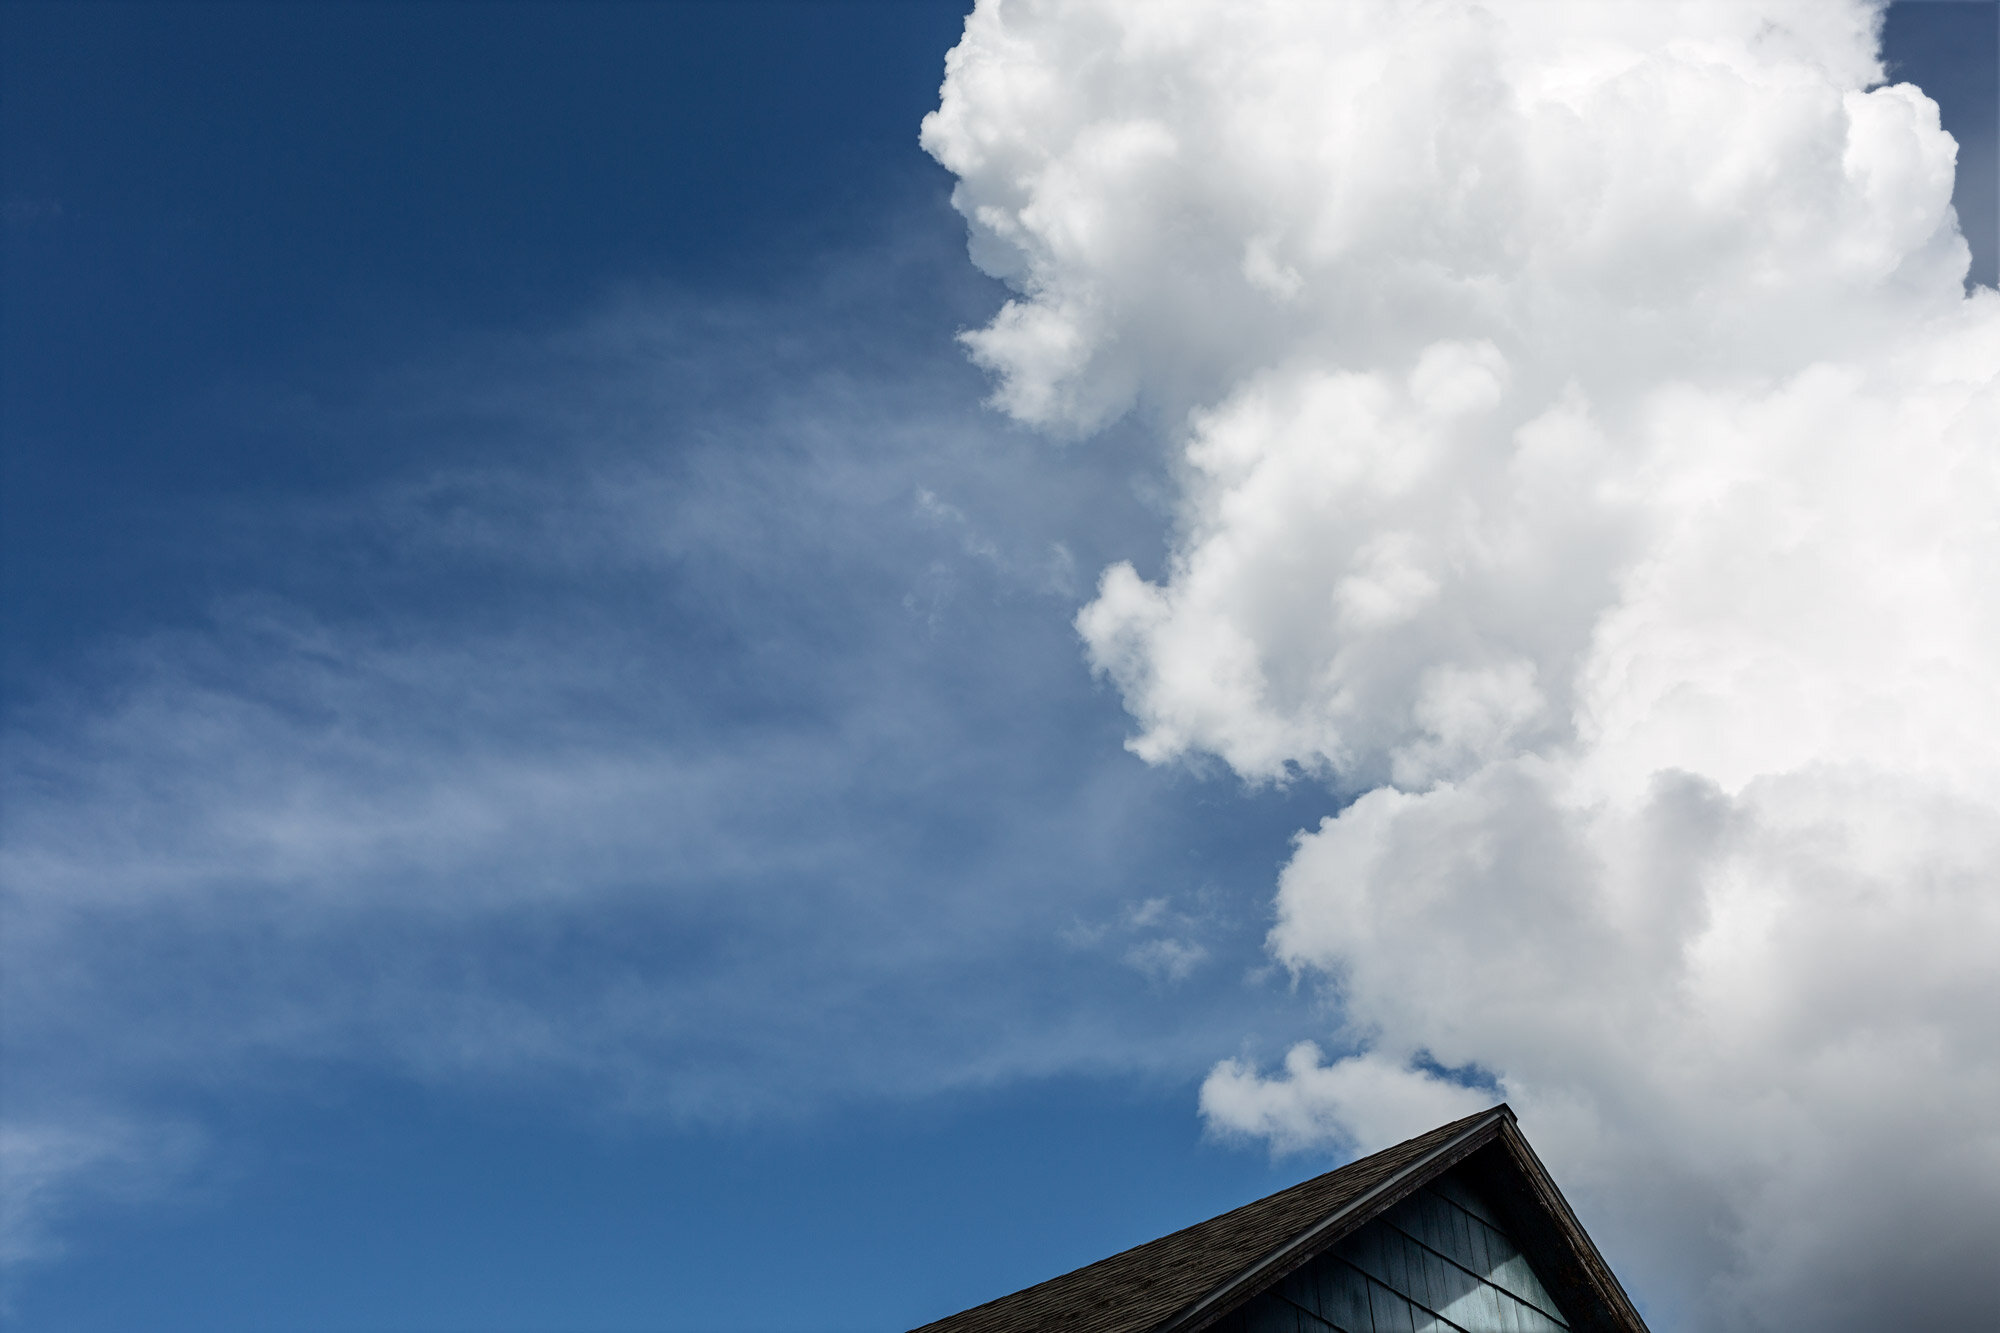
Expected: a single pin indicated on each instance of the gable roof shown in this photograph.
(1184, 1282)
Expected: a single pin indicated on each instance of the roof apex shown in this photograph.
(1187, 1280)
(1455, 1142)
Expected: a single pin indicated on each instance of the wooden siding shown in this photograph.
(1438, 1262)
(1157, 1285)
(1459, 1229)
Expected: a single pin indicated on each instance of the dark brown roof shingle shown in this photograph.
(1144, 1286)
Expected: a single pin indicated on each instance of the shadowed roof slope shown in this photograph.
(1144, 1287)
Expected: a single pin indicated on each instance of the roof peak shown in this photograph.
(1185, 1281)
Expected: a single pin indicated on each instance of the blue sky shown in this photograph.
(551, 783)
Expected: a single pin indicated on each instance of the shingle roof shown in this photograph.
(1143, 1287)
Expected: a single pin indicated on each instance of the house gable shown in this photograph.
(1440, 1261)
(1294, 1255)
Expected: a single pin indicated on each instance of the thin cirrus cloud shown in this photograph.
(1585, 450)
(667, 765)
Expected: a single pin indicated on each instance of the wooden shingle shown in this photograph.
(1189, 1280)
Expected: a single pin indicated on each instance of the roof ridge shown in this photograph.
(1159, 1282)
(1301, 1246)
(1445, 1131)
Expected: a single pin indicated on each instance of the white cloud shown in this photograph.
(1166, 958)
(1365, 1099)
(1587, 461)
(1160, 939)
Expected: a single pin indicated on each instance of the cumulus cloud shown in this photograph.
(1364, 1099)
(1587, 466)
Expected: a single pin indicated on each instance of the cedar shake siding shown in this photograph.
(1456, 1231)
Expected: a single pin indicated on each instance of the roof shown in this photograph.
(1183, 1282)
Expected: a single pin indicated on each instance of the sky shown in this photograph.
(785, 666)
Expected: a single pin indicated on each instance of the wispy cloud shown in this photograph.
(635, 763)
